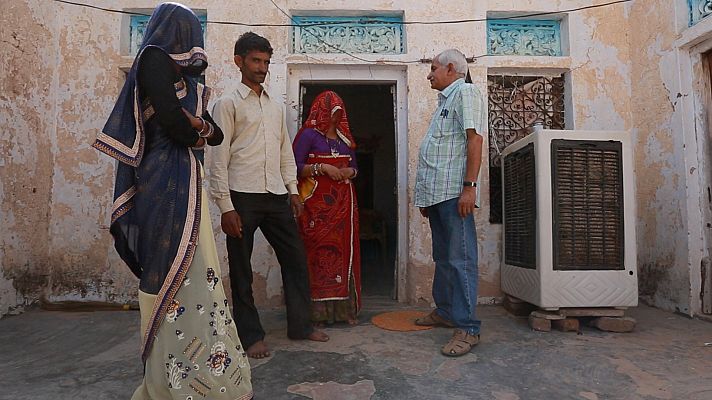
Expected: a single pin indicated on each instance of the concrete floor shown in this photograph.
(94, 355)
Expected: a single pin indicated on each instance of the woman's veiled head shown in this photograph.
(176, 29)
(328, 109)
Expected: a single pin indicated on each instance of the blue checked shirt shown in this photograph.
(443, 152)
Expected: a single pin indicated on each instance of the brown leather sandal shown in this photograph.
(460, 344)
(433, 319)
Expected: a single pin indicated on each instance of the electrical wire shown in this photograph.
(296, 24)
(367, 21)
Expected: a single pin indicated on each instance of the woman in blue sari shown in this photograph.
(160, 220)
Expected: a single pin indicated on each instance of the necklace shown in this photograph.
(333, 146)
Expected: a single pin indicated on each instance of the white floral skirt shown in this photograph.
(197, 353)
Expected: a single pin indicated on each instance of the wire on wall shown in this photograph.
(294, 23)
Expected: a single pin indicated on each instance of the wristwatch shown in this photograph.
(468, 183)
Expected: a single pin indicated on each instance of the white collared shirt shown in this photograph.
(256, 155)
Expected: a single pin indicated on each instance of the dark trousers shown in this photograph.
(273, 215)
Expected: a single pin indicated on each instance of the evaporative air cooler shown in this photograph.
(569, 219)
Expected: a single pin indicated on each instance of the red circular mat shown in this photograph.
(400, 321)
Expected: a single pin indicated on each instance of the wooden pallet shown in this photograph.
(609, 319)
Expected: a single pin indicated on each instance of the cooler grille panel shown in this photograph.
(520, 208)
(587, 205)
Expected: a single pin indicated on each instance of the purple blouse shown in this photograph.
(313, 142)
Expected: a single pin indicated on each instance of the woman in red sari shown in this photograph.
(326, 163)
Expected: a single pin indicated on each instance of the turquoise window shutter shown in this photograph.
(699, 9)
(364, 35)
(138, 27)
(523, 37)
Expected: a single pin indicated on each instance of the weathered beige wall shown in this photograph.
(81, 264)
(671, 102)
(55, 240)
(27, 41)
(662, 227)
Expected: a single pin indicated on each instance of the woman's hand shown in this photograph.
(347, 172)
(198, 124)
(195, 122)
(332, 172)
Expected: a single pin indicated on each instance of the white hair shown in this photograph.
(454, 57)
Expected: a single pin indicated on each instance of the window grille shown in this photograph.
(516, 103)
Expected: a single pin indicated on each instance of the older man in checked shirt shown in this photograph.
(446, 193)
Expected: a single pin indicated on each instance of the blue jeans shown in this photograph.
(455, 256)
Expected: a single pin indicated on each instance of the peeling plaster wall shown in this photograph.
(28, 42)
(82, 264)
(662, 227)
(672, 99)
(65, 251)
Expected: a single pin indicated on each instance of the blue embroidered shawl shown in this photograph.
(157, 194)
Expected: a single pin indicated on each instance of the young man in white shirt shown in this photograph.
(254, 183)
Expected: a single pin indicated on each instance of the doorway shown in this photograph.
(371, 114)
(706, 264)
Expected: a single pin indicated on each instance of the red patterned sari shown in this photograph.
(329, 223)
(329, 227)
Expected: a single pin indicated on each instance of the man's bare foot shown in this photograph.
(258, 350)
(352, 322)
(318, 336)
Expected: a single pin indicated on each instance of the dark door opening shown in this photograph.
(370, 110)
